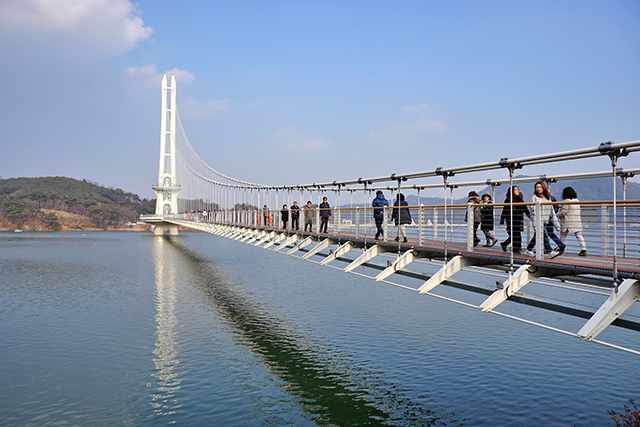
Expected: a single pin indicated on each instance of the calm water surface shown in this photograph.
(130, 329)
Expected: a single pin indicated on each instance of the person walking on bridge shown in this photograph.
(513, 216)
(325, 214)
(476, 218)
(486, 220)
(378, 214)
(284, 214)
(541, 194)
(295, 216)
(571, 219)
(401, 216)
(308, 217)
(265, 215)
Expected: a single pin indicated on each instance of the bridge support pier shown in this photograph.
(161, 228)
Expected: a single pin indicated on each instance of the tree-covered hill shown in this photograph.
(35, 203)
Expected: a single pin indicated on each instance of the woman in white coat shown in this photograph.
(541, 194)
(571, 219)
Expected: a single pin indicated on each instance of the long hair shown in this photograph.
(516, 199)
(545, 190)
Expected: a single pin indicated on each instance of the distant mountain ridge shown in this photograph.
(588, 189)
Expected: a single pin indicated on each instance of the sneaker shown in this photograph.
(405, 240)
(582, 253)
(504, 247)
(561, 249)
(529, 253)
(554, 253)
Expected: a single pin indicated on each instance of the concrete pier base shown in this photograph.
(162, 228)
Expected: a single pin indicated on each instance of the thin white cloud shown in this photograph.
(290, 138)
(148, 75)
(74, 28)
(425, 124)
(147, 78)
(417, 122)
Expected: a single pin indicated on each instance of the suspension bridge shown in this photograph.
(439, 256)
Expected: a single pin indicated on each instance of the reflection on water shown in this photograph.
(166, 362)
(330, 388)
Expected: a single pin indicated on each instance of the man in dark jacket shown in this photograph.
(325, 214)
(295, 216)
(401, 216)
(378, 214)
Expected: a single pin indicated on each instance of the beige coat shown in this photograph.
(309, 213)
(570, 217)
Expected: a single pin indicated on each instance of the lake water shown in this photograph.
(125, 329)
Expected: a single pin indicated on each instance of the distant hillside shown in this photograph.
(588, 190)
(39, 204)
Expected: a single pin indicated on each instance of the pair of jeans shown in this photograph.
(548, 233)
(379, 229)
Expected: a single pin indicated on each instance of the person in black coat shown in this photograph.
(401, 216)
(284, 214)
(515, 236)
(486, 220)
(295, 216)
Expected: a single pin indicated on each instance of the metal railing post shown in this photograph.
(435, 224)
(385, 223)
(470, 227)
(421, 226)
(604, 231)
(539, 230)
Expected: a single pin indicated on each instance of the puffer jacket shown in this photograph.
(570, 216)
(379, 202)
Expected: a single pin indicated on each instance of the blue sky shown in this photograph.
(288, 92)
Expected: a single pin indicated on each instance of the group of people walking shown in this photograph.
(400, 215)
(566, 220)
(308, 215)
(482, 211)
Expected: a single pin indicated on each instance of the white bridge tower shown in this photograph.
(167, 188)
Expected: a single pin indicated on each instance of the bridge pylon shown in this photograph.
(167, 188)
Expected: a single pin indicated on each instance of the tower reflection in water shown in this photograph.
(163, 400)
(329, 389)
